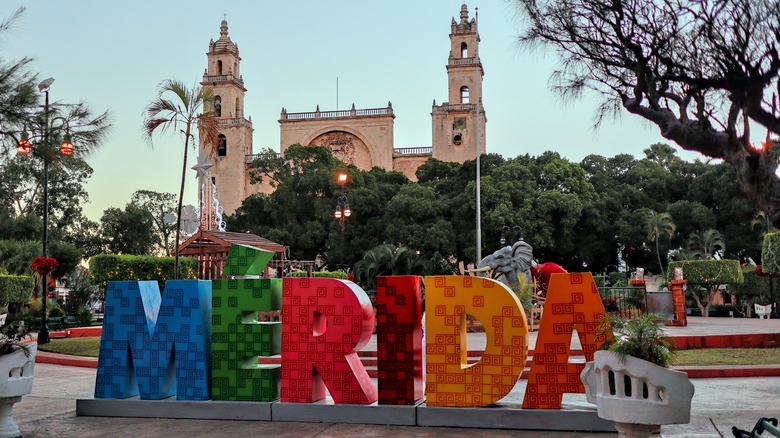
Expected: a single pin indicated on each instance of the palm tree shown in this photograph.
(187, 111)
(657, 226)
(387, 260)
(706, 243)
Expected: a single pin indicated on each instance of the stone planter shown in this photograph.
(16, 379)
(637, 395)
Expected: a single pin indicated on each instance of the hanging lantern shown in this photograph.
(24, 147)
(66, 147)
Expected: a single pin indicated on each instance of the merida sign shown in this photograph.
(201, 340)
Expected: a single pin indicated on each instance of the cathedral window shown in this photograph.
(464, 50)
(238, 109)
(219, 68)
(457, 139)
(222, 147)
(464, 94)
(218, 106)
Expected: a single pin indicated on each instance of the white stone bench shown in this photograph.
(763, 311)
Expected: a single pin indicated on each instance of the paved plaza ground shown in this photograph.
(51, 409)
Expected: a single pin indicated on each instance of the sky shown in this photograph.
(113, 55)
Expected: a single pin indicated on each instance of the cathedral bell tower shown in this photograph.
(235, 147)
(459, 124)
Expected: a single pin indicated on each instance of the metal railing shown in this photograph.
(624, 302)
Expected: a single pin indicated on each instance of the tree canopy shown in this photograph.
(703, 72)
(584, 216)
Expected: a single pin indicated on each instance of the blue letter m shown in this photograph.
(156, 346)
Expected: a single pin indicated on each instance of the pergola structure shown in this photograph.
(211, 249)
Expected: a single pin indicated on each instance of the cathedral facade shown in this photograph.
(361, 137)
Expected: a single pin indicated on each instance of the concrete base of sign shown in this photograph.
(570, 418)
(503, 417)
(172, 408)
(324, 412)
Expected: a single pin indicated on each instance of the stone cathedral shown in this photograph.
(361, 137)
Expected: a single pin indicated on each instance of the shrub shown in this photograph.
(16, 288)
(640, 337)
(600, 280)
(109, 267)
(35, 309)
(770, 253)
(322, 274)
(617, 279)
(84, 316)
(706, 276)
(755, 289)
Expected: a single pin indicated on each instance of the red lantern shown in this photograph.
(66, 147)
(24, 147)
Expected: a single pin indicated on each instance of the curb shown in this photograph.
(694, 372)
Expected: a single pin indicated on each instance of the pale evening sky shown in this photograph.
(112, 55)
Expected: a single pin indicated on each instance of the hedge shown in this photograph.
(320, 274)
(708, 272)
(770, 253)
(108, 267)
(16, 288)
(600, 280)
(754, 286)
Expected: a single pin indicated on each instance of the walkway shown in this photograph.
(50, 409)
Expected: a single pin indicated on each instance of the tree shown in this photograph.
(706, 243)
(186, 111)
(658, 225)
(705, 277)
(85, 235)
(158, 204)
(387, 260)
(18, 95)
(700, 71)
(662, 154)
(128, 231)
(754, 290)
(21, 192)
(299, 213)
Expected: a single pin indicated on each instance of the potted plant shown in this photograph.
(17, 367)
(630, 381)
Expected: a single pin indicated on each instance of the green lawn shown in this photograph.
(728, 356)
(90, 346)
(86, 346)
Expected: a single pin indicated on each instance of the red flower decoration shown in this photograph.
(44, 264)
(760, 271)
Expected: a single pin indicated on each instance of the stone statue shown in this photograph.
(508, 262)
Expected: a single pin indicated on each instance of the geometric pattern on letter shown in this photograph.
(246, 260)
(573, 301)
(238, 338)
(450, 381)
(141, 330)
(324, 322)
(399, 339)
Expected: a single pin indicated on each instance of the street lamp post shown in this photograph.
(342, 210)
(42, 150)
